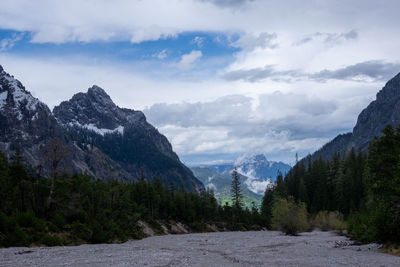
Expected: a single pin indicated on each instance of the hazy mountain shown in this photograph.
(221, 184)
(257, 166)
(106, 141)
(253, 166)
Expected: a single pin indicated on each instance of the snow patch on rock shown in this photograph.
(101, 131)
(3, 98)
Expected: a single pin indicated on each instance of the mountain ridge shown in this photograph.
(85, 124)
(383, 111)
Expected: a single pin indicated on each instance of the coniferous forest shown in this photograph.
(82, 209)
(362, 188)
(359, 192)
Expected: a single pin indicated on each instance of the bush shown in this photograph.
(329, 220)
(26, 219)
(289, 217)
(58, 220)
(81, 231)
(51, 240)
(376, 224)
(17, 238)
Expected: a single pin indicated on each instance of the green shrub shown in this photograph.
(39, 225)
(17, 238)
(81, 231)
(58, 220)
(289, 217)
(52, 227)
(26, 219)
(51, 240)
(376, 224)
(329, 220)
(360, 227)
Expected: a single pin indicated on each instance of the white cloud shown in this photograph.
(330, 38)
(252, 41)
(54, 21)
(152, 33)
(8, 43)
(161, 55)
(187, 61)
(198, 41)
(339, 43)
(279, 124)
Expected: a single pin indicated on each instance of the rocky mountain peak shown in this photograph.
(384, 110)
(97, 94)
(15, 98)
(1, 68)
(391, 90)
(105, 141)
(95, 110)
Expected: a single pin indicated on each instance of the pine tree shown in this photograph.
(236, 191)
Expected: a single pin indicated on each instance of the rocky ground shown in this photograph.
(262, 248)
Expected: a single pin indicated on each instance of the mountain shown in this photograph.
(257, 166)
(221, 185)
(25, 121)
(384, 110)
(256, 174)
(105, 141)
(124, 135)
(254, 166)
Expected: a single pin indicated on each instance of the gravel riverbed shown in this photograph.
(261, 248)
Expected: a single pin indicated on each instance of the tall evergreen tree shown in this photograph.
(236, 191)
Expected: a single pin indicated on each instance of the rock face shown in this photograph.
(106, 141)
(379, 113)
(124, 135)
(370, 123)
(25, 122)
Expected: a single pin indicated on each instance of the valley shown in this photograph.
(261, 248)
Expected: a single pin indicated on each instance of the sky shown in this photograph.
(219, 78)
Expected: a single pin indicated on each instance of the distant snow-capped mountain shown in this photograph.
(255, 166)
(258, 172)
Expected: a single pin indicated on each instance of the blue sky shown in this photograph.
(220, 78)
(147, 56)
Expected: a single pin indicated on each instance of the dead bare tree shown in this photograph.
(52, 154)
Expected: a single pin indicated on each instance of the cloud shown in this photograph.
(376, 70)
(228, 3)
(151, 33)
(198, 41)
(8, 43)
(252, 41)
(330, 39)
(161, 55)
(259, 74)
(187, 60)
(373, 70)
(271, 123)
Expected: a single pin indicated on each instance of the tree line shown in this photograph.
(74, 209)
(363, 187)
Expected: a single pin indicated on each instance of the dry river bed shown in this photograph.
(262, 248)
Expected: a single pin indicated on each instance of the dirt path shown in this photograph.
(209, 249)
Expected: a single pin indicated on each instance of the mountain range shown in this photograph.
(105, 141)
